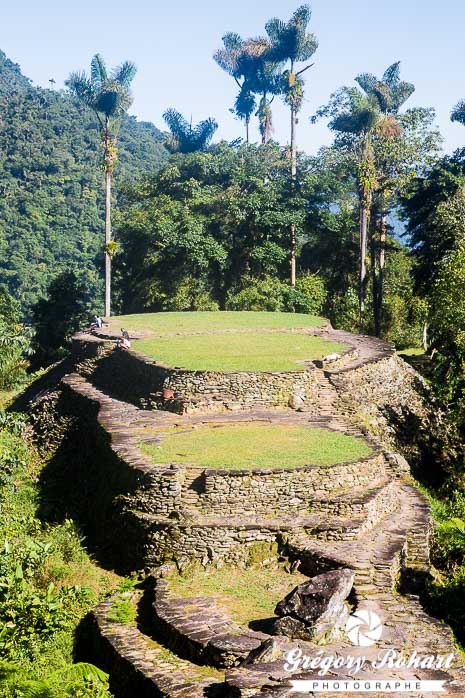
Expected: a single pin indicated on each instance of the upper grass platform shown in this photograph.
(213, 341)
(168, 323)
(254, 445)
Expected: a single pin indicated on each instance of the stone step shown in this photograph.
(199, 629)
(138, 666)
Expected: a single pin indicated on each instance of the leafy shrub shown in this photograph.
(42, 598)
(308, 295)
(14, 422)
(80, 680)
(267, 293)
(189, 295)
(345, 311)
(122, 611)
(15, 343)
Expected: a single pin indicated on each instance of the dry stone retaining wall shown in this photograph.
(394, 402)
(225, 492)
(133, 377)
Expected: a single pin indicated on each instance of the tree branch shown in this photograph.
(304, 69)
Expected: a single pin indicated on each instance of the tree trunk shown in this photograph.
(293, 178)
(363, 253)
(374, 274)
(107, 240)
(247, 123)
(424, 339)
(382, 260)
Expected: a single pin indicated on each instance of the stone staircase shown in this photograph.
(366, 516)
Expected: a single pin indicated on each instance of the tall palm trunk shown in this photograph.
(293, 181)
(382, 261)
(108, 165)
(107, 241)
(247, 124)
(367, 180)
(364, 216)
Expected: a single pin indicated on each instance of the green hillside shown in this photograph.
(50, 183)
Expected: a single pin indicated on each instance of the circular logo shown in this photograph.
(364, 628)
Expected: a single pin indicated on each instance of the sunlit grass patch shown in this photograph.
(255, 445)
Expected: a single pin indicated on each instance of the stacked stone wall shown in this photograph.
(391, 400)
(132, 377)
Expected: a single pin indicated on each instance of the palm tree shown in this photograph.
(185, 138)
(238, 60)
(108, 95)
(291, 43)
(358, 115)
(267, 83)
(253, 68)
(390, 93)
(364, 119)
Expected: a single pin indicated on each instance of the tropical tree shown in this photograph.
(108, 95)
(238, 59)
(458, 112)
(291, 43)
(362, 118)
(57, 317)
(390, 93)
(185, 138)
(355, 117)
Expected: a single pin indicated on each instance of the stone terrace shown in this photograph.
(365, 515)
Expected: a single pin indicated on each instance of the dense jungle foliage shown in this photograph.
(47, 583)
(51, 186)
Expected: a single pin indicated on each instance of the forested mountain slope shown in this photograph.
(51, 185)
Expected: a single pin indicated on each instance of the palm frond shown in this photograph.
(458, 112)
(204, 132)
(80, 672)
(290, 40)
(175, 121)
(401, 93)
(384, 96)
(391, 75)
(387, 126)
(302, 15)
(80, 85)
(275, 28)
(184, 137)
(107, 96)
(124, 74)
(245, 103)
(231, 40)
(367, 81)
(98, 71)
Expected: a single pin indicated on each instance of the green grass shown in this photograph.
(167, 323)
(251, 351)
(248, 595)
(411, 351)
(252, 445)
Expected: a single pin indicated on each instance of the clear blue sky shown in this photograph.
(172, 44)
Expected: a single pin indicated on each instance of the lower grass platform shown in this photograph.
(253, 445)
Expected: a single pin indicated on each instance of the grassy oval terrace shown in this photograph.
(248, 445)
(248, 595)
(228, 341)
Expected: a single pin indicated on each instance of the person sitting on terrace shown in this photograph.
(97, 324)
(124, 341)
